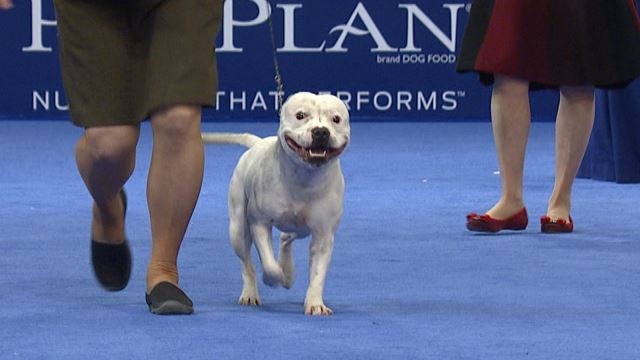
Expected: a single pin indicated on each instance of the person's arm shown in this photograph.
(6, 4)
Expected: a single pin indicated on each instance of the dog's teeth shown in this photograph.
(318, 154)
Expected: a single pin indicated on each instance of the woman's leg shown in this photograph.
(574, 122)
(510, 119)
(175, 179)
(106, 157)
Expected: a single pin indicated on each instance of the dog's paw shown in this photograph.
(249, 299)
(289, 274)
(317, 310)
(288, 281)
(273, 277)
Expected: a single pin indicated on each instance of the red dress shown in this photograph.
(553, 42)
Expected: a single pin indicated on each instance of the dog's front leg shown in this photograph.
(321, 249)
(285, 259)
(272, 274)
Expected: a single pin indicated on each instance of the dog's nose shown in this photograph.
(320, 134)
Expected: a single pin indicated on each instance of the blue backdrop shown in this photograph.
(386, 59)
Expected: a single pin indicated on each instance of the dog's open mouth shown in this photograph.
(316, 155)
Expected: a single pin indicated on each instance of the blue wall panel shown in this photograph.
(388, 60)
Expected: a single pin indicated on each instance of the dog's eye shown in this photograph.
(300, 115)
(336, 119)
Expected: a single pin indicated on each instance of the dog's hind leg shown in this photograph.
(285, 259)
(272, 274)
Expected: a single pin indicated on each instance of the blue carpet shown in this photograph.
(407, 281)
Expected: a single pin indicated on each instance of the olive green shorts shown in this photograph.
(122, 60)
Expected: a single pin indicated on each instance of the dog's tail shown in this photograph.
(246, 140)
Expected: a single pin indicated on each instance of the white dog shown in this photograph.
(292, 181)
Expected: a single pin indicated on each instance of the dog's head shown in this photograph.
(314, 129)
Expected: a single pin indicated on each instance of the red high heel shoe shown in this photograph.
(485, 223)
(555, 226)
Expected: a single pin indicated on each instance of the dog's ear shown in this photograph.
(337, 104)
(295, 98)
(285, 106)
(301, 94)
(298, 97)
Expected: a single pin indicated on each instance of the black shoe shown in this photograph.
(167, 299)
(112, 262)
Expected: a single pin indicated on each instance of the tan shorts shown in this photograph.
(121, 62)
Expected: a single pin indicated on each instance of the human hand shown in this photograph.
(6, 4)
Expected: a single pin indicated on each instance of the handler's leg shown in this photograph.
(106, 157)
(576, 114)
(510, 119)
(174, 182)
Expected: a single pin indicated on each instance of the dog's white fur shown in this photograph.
(290, 182)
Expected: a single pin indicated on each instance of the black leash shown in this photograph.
(274, 50)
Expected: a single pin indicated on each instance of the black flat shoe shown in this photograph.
(167, 299)
(112, 262)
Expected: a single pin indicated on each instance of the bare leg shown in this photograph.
(106, 157)
(175, 179)
(511, 119)
(576, 113)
